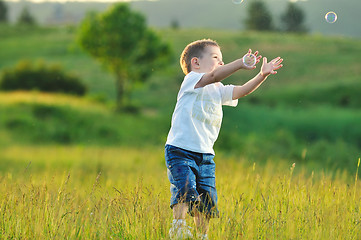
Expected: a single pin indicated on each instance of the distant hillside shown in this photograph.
(310, 112)
(204, 13)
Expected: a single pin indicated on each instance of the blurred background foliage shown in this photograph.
(308, 113)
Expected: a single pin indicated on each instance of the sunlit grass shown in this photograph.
(274, 203)
(76, 192)
(35, 97)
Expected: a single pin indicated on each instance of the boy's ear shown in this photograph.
(195, 63)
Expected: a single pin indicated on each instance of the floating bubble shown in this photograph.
(331, 17)
(249, 59)
(237, 1)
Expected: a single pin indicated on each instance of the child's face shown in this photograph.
(211, 59)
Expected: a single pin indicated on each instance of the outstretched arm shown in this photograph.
(224, 71)
(266, 69)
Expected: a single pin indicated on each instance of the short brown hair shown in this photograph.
(194, 49)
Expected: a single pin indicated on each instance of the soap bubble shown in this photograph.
(237, 1)
(249, 59)
(331, 17)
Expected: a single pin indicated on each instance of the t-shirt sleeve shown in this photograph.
(227, 95)
(189, 83)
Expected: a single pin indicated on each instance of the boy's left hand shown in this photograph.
(271, 67)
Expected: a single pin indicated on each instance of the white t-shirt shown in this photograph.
(197, 116)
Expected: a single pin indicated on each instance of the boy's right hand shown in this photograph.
(258, 58)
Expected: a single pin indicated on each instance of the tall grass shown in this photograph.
(59, 192)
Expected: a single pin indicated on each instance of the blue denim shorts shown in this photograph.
(192, 180)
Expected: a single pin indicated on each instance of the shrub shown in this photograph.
(293, 19)
(38, 76)
(26, 18)
(3, 12)
(259, 18)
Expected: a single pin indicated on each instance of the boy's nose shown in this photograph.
(221, 63)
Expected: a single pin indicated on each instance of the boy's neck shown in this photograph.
(197, 71)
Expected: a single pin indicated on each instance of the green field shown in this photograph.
(76, 192)
(73, 168)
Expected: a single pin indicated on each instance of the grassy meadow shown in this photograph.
(287, 156)
(77, 192)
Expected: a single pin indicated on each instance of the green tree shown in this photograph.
(293, 19)
(259, 17)
(121, 40)
(174, 24)
(25, 17)
(3, 12)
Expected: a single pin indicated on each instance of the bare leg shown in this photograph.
(202, 222)
(179, 229)
(180, 211)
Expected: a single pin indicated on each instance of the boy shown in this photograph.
(196, 122)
